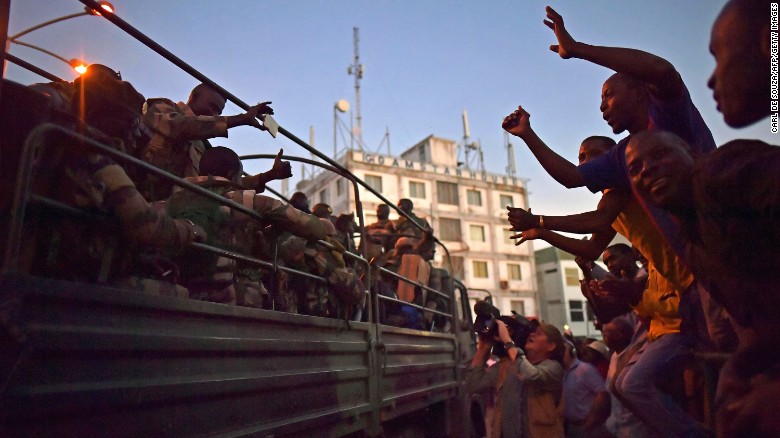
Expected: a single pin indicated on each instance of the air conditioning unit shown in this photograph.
(504, 284)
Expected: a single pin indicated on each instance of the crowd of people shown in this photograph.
(703, 223)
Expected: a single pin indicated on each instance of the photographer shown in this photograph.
(527, 383)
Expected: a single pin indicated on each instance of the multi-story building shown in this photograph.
(466, 207)
(562, 303)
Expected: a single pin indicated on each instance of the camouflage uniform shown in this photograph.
(404, 227)
(311, 297)
(81, 250)
(178, 141)
(227, 281)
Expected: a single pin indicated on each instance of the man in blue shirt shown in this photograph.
(583, 390)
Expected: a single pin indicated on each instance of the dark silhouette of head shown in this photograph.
(206, 101)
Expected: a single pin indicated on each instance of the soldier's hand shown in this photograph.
(566, 44)
(281, 169)
(521, 219)
(259, 110)
(518, 123)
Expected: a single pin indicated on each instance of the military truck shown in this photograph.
(89, 359)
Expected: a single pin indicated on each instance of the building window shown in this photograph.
(447, 193)
(340, 184)
(505, 200)
(449, 229)
(572, 276)
(374, 181)
(476, 233)
(480, 269)
(457, 267)
(514, 271)
(325, 196)
(576, 311)
(508, 236)
(416, 190)
(518, 306)
(474, 197)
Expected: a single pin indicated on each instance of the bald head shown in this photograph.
(206, 101)
(739, 41)
(660, 169)
(624, 103)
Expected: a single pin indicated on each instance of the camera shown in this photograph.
(520, 328)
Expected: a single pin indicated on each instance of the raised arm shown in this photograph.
(658, 73)
(599, 220)
(518, 124)
(590, 249)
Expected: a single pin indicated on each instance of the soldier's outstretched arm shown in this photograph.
(145, 225)
(163, 117)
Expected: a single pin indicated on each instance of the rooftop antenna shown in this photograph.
(466, 135)
(510, 156)
(386, 138)
(481, 156)
(356, 69)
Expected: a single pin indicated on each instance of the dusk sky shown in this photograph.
(425, 62)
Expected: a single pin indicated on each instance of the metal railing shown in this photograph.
(334, 165)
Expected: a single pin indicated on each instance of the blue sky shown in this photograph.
(425, 62)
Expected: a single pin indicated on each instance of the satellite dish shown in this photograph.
(342, 105)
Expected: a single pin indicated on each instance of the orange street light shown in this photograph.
(78, 65)
(106, 6)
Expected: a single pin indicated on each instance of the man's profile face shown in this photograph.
(659, 168)
(207, 102)
(621, 105)
(740, 81)
(382, 211)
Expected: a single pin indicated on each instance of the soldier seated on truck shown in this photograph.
(180, 133)
(85, 249)
(215, 278)
(404, 260)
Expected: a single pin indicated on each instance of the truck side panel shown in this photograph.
(101, 361)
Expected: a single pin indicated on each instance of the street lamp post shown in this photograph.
(77, 64)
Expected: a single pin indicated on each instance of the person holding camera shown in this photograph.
(527, 381)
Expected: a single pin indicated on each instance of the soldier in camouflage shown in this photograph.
(404, 227)
(180, 133)
(82, 250)
(221, 279)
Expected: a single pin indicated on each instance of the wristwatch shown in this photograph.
(508, 345)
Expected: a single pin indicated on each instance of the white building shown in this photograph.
(467, 209)
(562, 302)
